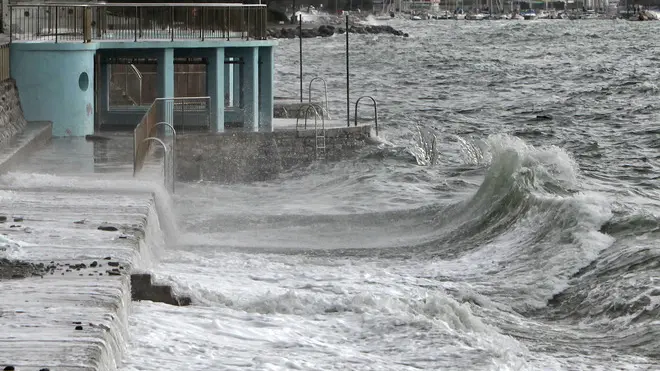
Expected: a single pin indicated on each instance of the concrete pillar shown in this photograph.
(215, 83)
(104, 89)
(266, 72)
(229, 83)
(250, 85)
(237, 82)
(165, 85)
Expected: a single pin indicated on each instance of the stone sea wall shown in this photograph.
(249, 157)
(12, 120)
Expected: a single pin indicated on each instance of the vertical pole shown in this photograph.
(348, 80)
(301, 57)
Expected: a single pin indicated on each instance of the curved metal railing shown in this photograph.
(375, 105)
(325, 108)
(172, 152)
(138, 74)
(167, 171)
(305, 108)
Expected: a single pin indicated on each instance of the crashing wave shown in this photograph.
(425, 147)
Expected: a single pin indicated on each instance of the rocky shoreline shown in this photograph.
(644, 16)
(329, 30)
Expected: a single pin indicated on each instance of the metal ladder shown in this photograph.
(319, 136)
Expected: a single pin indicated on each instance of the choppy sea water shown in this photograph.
(527, 240)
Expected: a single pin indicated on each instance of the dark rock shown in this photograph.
(94, 264)
(9, 368)
(14, 226)
(329, 30)
(18, 219)
(113, 264)
(16, 269)
(44, 369)
(143, 289)
(3, 218)
(83, 221)
(113, 273)
(77, 323)
(96, 138)
(108, 228)
(78, 328)
(107, 258)
(183, 301)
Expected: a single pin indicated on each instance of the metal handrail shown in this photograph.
(166, 173)
(139, 76)
(173, 158)
(88, 22)
(375, 110)
(325, 89)
(317, 137)
(306, 108)
(145, 127)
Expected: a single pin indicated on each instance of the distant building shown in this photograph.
(420, 6)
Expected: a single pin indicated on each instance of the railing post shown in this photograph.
(38, 20)
(348, 81)
(57, 21)
(300, 48)
(202, 23)
(183, 115)
(97, 13)
(227, 27)
(138, 18)
(135, 31)
(87, 25)
(172, 24)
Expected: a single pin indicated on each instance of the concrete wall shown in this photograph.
(57, 85)
(12, 121)
(248, 157)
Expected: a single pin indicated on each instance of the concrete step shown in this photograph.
(22, 145)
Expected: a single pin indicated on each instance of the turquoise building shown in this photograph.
(61, 57)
